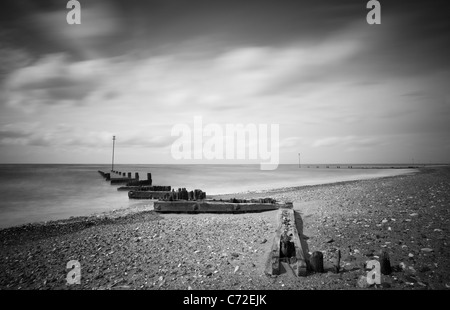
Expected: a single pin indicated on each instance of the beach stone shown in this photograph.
(410, 279)
(426, 250)
(362, 282)
(424, 269)
(385, 285)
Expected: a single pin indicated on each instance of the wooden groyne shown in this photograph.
(148, 194)
(286, 248)
(209, 206)
(286, 251)
(164, 193)
(182, 200)
(145, 188)
(107, 176)
(128, 180)
(322, 166)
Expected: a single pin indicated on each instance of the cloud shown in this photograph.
(64, 135)
(335, 81)
(20, 134)
(53, 80)
(11, 59)
(100, 24)
(292, 142)
(146, 140)
(351, 143)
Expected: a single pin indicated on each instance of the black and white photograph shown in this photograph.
(206, 146)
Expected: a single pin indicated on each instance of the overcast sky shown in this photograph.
(340, 89)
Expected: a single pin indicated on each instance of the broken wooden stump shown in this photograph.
(286, 245)
(337, 262)
(210, 206)
(385, 263)
(316, 262)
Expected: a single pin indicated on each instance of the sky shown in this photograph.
(340, 90)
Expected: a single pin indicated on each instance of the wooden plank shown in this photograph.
(208, 206)
(273, 260)
(298, 262)
(120, 180)
(147, 194)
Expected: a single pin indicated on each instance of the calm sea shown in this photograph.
(35, 193)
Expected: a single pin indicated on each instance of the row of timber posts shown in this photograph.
(183, 194)
(127, 178)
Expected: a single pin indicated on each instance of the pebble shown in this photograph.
(362, 282)
(426, 250)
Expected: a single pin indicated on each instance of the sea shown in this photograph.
(42, 192)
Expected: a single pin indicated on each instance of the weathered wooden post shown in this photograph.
(337, 264)
(112, 164)
(385, 263)
(149, 178)
(317, 262)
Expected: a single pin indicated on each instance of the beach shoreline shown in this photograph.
(124, 249)
(244, 194)
(396, 172)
